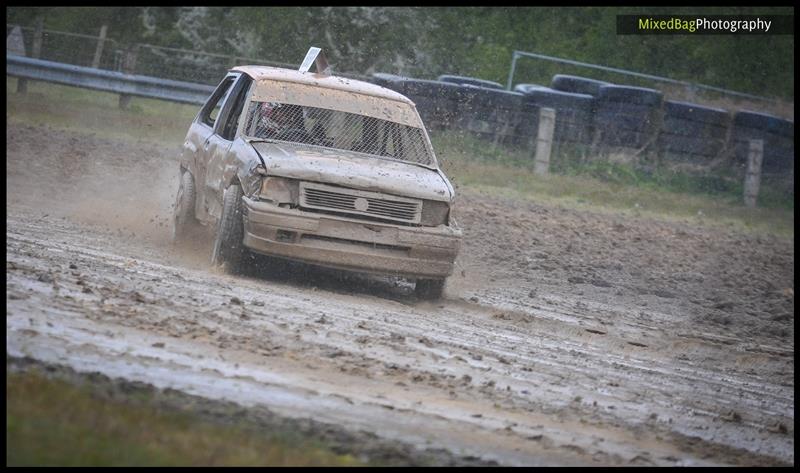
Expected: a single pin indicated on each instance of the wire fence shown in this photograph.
(144, 59)
(539, 68)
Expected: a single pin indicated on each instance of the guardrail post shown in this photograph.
(691, 91)
(544, 141)
(511, 71)
(128, 67)
(36, 51)
(752, 179)
(98, 52)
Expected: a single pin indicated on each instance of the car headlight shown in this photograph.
(279, 190)
(435, 213)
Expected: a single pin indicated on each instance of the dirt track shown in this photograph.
(566, 337)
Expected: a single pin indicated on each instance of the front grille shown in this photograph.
(351, 201)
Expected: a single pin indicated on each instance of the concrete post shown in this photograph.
(544, 141)
(752, 179)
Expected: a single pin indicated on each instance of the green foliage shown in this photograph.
(124, 23)
(477, 41)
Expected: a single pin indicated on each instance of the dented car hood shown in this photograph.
(353, 170)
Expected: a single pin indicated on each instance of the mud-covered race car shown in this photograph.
(321, 169)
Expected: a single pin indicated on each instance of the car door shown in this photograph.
(218, 145)
(200, 141)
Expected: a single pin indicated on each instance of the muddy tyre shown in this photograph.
(694, 113)
(429, 289)
(630, 95)
(577, 85)
(389, 81)
(470, 81)
(765, 122)
(229, 250)
(527, 88)
(183, 219)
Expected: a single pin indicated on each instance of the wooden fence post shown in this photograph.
(128, 67)
(752, 179)
(36, 51)
(544, 141)
(98, 52)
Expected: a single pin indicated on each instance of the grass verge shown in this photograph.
(76, 109)
(52, 422)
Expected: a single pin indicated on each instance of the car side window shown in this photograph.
(211, 109)
(234, 106)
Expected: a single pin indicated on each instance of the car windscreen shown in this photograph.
(313, 126)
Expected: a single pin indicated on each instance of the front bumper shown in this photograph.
(346, 243)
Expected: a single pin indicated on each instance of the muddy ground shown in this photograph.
(566, 337)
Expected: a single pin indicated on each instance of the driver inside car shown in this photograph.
(283, 122)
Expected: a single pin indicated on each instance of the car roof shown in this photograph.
(330, 82)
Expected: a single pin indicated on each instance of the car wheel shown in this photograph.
(183, 219)
(429, 289)
(229, 250)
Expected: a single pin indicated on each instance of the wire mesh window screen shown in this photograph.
(313, 126)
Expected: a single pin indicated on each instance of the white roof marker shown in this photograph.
(317, 57)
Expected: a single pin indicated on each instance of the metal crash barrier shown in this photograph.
(107, 81)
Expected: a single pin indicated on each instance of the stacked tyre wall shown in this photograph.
(487, 112)
(470, 81)
(627, 117)
(778, 137)
(692, 133)
(577, 85)
(439, 104)
(574, 111)
(492, 114)
(605, 115)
